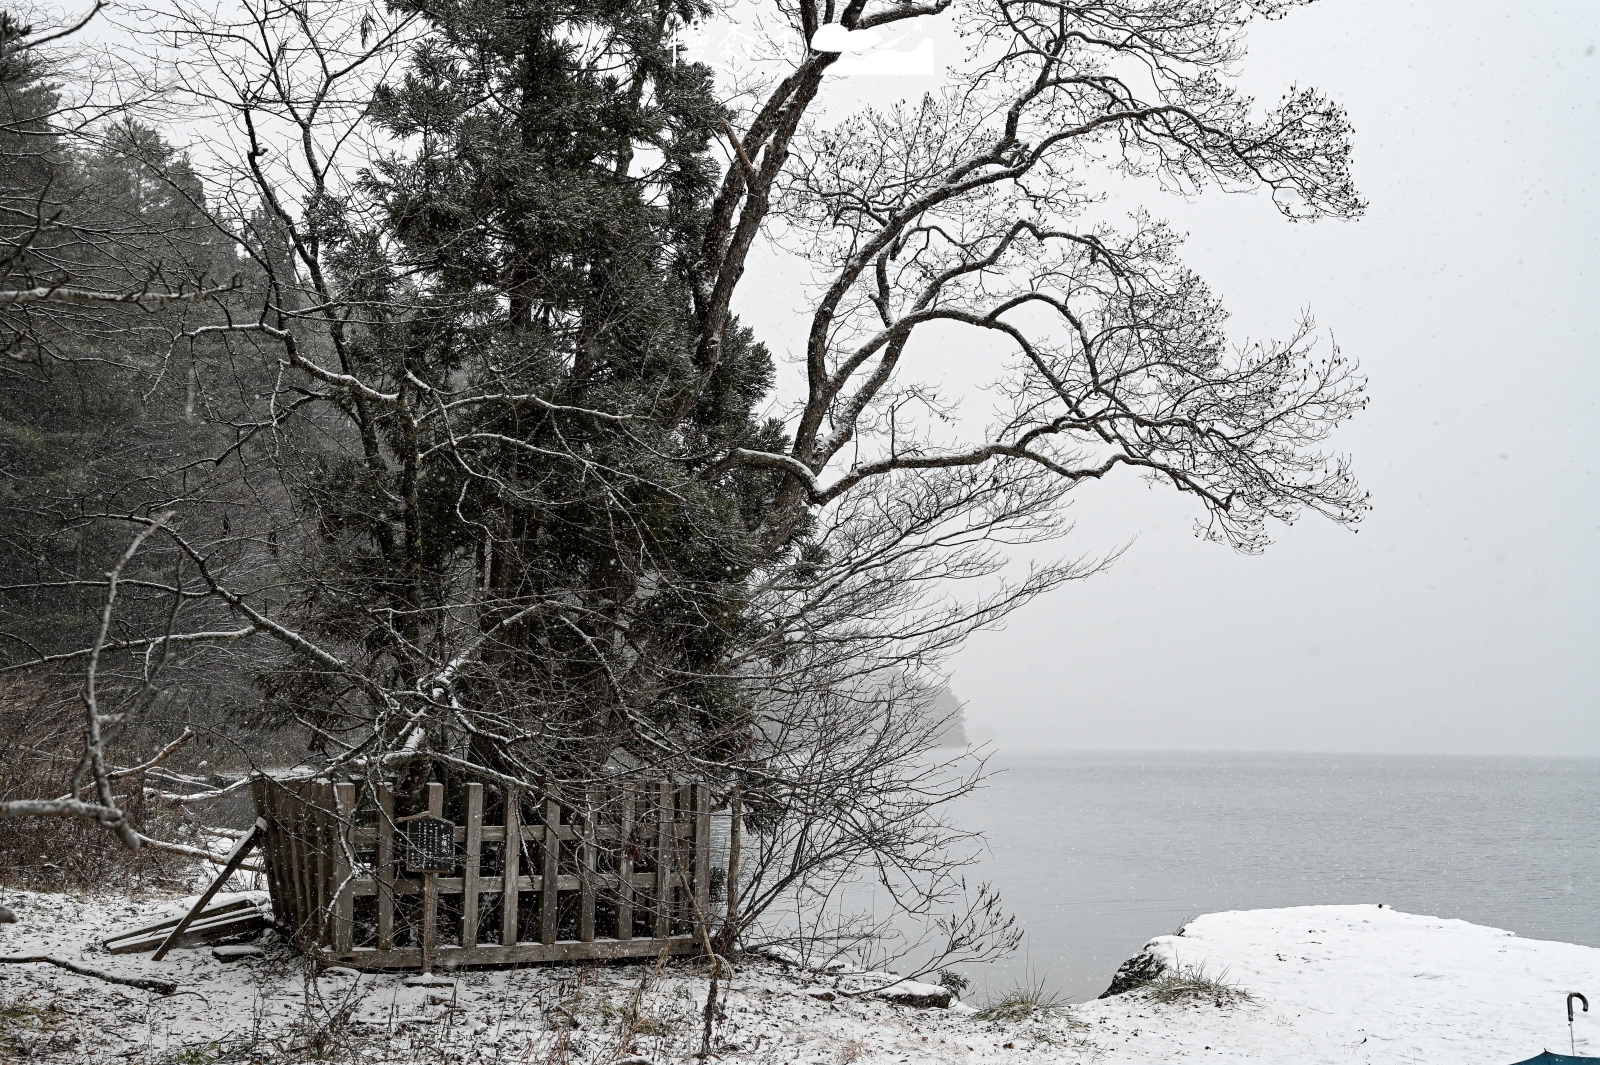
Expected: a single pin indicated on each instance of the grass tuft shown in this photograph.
(1020, 1003)
(1191, 983)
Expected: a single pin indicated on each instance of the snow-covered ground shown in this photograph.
(1326, 984)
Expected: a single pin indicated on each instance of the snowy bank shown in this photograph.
(1325, 984)
(1359, 984)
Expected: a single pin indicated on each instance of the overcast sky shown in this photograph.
(1464, 616)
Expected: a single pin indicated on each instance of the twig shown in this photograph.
(166, 752)
(194, 852)
(198, 796)
(160, 987)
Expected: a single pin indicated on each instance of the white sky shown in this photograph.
(1464, 616)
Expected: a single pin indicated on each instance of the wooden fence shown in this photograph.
(625, 873)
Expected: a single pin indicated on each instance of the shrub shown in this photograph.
(40, 725)
(953, 982)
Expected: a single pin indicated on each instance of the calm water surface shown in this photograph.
(1097, 853)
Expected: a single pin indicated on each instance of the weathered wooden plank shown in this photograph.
(211, 926)
(344, 797)
(586, 868)
(625, 884)
(663, 889)
(735, 839)
(322, 808)
(154, 933)
(385, 860)
(550, 887)
(306, 847)
(162, 927)
(246, 844)
(272, 848)
(294, 811)
(491, 833)
(430, 887)
(456, 885)
(469, 875)
(509, 878)
(522, 953)
(702, 859)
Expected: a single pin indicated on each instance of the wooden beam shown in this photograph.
(625, 868)
(513, 852)
(522, 953)
(702, 859)
(663, 889)
(385, 859)
(469, 875)
(344, 800)
(245, 845)
(550, 889)
(586, 868)
(430, 886)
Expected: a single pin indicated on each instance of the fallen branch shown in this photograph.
(194, 852)
(166, 752)
(198, 796)
(138, 297)
(70, 804)
(160, 987)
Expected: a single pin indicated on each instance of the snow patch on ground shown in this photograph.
(1344, 984)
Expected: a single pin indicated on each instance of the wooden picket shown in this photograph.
(637, 853)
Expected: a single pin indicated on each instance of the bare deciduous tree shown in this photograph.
(525, 512)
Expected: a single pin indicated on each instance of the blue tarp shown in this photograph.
(1548, 1058)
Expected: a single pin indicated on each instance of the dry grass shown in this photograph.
(27, 1030)
(1191, 983)
(851, 1050)
(1021, 1003)
(40, 726)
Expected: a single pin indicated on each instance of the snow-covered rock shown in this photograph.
(1355, 984)
(1135, 973)
(912, 993)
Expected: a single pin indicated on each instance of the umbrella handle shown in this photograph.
(1579, 996)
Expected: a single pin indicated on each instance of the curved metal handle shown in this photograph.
(1579, 996)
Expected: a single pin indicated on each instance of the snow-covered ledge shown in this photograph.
(1357, 984)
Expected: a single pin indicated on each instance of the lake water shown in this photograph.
(1097, 853)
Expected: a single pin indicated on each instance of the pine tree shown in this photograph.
(99, 409)
(534, 244)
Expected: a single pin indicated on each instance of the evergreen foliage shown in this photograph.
(526, 261)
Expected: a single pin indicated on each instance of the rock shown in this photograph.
(428, 980)
(340, 972)
(821, 994)
(911, 993)
(1137, 971)
(236, 952)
